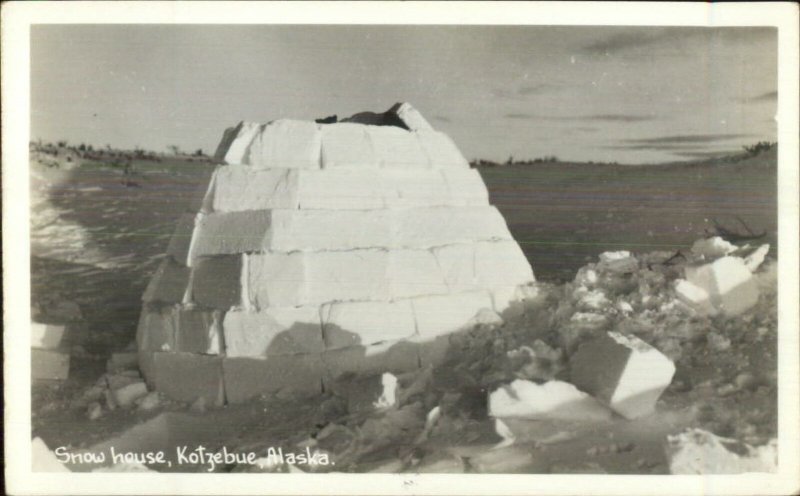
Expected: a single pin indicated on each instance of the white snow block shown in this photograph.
(181, 240)
(331, 229)
(46, 336)
(728, 281)
(438, 226)
(623, 372)
(395, 147)
(465, 187)
(365, 323)
(440, 150)
(553, 400)
(694, 296)
(414, 188)
(411, 117)
(357, 275)
(238, 149)
(495, 265)
(414, 273)
(237, 188)
(127, 395)
(712, 247)
(274, 279)
(230, 233)
(444, 314)
(341, 189)
(273, 331)
(699, 452)
(44, 460)
(286, 143)
(754, 260)
(346, 145)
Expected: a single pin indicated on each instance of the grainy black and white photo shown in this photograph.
(404, 249)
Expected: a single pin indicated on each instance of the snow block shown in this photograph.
(273, 331)
(237, 151)
(437, 315)
(411, 117)
(465, 187)
(554, 400)
(198, 331)
(246, 378)
(216, 281)
(414, 188)
(49, 364)
(156, 330)
(729, 283)
(397, 357)
(358, 275)
(713, 247)
(340, 189)
(623, 372)
(440, 150)
(237, 188)
(127, 395)
(438, 226)
(181, 239)
(414, 273)
(346, 145)
(168, 284)
(330, 229)
(485, 264)
(46, 336)
(274, 279)
(286, 143)
(231, 233)
(395, 147)
(694, 296)
(348, 324)
(189, 376)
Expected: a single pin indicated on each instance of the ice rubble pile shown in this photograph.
(321, 249)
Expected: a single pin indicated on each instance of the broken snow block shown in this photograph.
(198, 331)
(346, 324)
(346, 145)
(410, 117)
(178, 247)
(47, 336)
(127, 395)
(231, 233)
(169, 283)
(618, 261)
(246, 378)
(553, 400)
(240, 188)
(728, 282)
(188, 376)
(440, 150)
(44, 460)
(695, 297)
(273, 331)
(623, 372)
(49, 364)
(397, 357)
(286, 143)
(712, 247)
(754, 260)
(228, 137)
(237, 151)
(395, 147)
(216, 281)
(699, 452)
(444, 314)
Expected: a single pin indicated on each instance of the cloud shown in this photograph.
(623, 41)
(441, 118)
(584, 118)
(708, 154)
(535, 89)
(637, 38)
(685, 138)
(769, 96)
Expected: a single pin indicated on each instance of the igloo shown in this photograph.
(322, 249)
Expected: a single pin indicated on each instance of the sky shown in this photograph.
(582, 93)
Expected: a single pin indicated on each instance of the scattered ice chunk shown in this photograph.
(712, 247)
(694, 296)
(755, 259)
(551, 400)
(728, 282)
(388, 397)
(700, 452)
